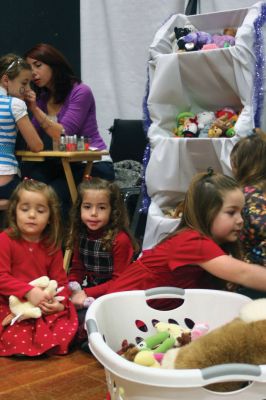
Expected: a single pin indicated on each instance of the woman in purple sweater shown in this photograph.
(61, 104)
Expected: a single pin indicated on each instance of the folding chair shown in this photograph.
(128, 143)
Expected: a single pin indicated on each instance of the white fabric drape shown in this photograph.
(115, 38)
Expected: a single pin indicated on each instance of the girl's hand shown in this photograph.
(30, 98)
(51, 307)
(78, 299)
(36, 295)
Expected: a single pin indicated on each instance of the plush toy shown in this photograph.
(180, 33)
(181, 335)
(21, 310)
(224, 123)
(242, 340)
(190, 127)
(223, 41)
(180, 120)
(205, 119)
(195, 40)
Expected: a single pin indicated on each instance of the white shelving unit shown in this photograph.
(194, 81)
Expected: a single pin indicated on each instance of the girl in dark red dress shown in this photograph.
(31, 248)
(99, 234)
(204, 247)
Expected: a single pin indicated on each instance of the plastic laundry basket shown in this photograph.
(112, 318)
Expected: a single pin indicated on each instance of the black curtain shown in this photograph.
(28, 22)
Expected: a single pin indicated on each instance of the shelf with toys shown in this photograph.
(208, 86)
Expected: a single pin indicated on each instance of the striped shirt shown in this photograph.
(11, 110)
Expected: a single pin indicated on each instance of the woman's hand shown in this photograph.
(78, 299)
(51, 307)
(36, 295)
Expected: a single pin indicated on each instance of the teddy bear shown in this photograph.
(21, 310)
(241, 340)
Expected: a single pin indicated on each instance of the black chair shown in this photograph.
(127, 146)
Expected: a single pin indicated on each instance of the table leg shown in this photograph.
(88, 168)
(70, 180)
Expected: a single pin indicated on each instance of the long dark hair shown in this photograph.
(248, 160)
(63, 75)
(119, 220)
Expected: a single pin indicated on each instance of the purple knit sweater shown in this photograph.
(77, 115)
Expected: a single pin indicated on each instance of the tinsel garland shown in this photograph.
(146, 124)
(258, 96)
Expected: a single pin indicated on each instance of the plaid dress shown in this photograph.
(98, 263)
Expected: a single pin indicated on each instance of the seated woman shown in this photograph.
(61, 105)
(248, 160)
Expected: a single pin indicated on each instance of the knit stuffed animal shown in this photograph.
(21, 310)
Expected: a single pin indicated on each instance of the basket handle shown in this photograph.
(165, 290)
(91, 326)
(230, 369)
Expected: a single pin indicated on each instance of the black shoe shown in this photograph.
(85, 347)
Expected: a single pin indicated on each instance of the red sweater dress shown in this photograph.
(21, 262)
(174, 262)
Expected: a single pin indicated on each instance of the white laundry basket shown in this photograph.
(112, 318)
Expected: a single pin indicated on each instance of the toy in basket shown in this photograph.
(112, 318)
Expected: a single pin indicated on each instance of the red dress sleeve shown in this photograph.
(122, 256)
(77, 270)
(9, 284)
(192, 248)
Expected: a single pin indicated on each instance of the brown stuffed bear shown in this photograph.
(242, 340)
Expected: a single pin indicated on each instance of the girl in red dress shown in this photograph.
(31, 248)
(99, 234)
(204, 247)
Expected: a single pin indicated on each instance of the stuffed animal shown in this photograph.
(195, 40)
(180, 120)
(242, 340)
(224, 123)
(223, 41)
(205, 119)
(21, 310)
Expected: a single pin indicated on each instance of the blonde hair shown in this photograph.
(11, 65)
(248, 160)
(52, 233)
(118, 221)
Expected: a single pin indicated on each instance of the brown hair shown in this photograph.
(118, 221)
(52, 234)
(63, 76)
(203, 200)
(248, 160)
(11, 65)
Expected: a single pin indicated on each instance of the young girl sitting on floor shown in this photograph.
(99, 233)
(248, 160)
(204, 246)
(31, 248)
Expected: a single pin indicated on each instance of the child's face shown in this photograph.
(18, 86)
(95, 209)
(32, 214)
(228, 223)
(42, 74)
